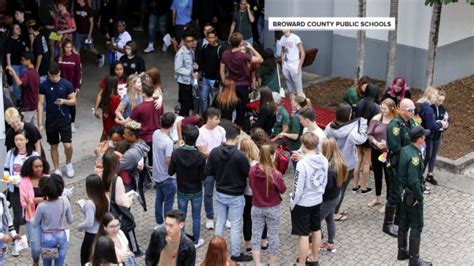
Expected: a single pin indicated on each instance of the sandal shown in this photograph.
(341, 218)
(426, 192)
(344, 212)
(374, 202)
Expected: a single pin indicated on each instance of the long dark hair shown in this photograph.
(266, 100)
(365, 107)
(103, 251)
(110, 89)
(111, 165)
(269, 63)
(96, 192)
(29, 146)
(106, 219)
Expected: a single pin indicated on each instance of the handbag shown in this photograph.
(282, 160)
(53, 253)
(124, 215)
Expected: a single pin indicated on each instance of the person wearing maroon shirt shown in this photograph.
(84, 17)
(236, 62)
(149, 117)
(69, 63)
(29, 82)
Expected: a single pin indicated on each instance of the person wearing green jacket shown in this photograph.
(410, 171)
(355, 92)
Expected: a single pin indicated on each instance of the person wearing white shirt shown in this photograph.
(122, 38)
(292, 58)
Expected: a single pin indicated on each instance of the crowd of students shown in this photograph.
(212, 149)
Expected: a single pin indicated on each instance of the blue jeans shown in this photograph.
(130, 261)
(19, 70)
(207, 86)
(156, 23)
(165, 192)
(55, 239)
(208, 199)
(34, 240)
(196, 202)
(234, 206)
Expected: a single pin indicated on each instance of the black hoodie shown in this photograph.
(188, 164)
(230, 168)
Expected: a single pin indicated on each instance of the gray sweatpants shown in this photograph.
(294, 80)
(327, 213)
(271, 217)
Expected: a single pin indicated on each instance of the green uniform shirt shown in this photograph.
(282, 118)
(398, 134)
(351, 96)
(295, 127)
(270, 79)
(410, 170)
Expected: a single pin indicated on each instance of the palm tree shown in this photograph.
(361, 42)
(433, 39)
(392, 44)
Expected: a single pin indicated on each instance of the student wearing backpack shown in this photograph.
(209, 63)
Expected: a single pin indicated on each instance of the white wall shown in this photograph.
(457, 23)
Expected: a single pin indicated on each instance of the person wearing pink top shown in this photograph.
(33, 170)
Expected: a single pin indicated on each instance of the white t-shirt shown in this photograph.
(18, 163)
(120, 42)
(320, 133)
(210, 139)
(174, 129)
(289, 46)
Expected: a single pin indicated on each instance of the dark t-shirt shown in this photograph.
(30, 130)
(159, 7)
(15, 47)
(29, 89)
(236, 63)
(82, 16)
(242, 24)
(40, 47)
(52, 92)
(210, 61)
(149, 117)
(133, 65)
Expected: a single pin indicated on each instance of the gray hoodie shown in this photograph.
(347, 136)
(311, 176)
(130, 158)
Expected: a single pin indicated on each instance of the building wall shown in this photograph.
(337, 50)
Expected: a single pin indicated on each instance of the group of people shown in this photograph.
(214, 149)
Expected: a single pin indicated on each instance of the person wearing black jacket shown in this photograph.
(230, 168)
(188, 164)
(132, 62)
(209, 65)
(267, 112)
(169, 246)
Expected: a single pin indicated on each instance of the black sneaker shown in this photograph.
(354, 190)
(138, 253)
(430, 178)
(241, 258)
(366, 191)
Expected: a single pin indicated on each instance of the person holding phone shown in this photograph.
(242, 22)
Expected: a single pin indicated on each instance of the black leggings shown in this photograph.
(86, 247)
(343, 189)
(243, 95)
(248, 220)
(14, 198)
(380, 169)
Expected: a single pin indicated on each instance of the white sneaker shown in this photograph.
(199, 243)
(227, 224)
(58, 172)
(209, 224)
(73, 128)
(138, 28)
(149, 49)
(15, 252)
(70, 170)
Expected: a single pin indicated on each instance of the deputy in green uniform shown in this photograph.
(398, 136)
(410, 171)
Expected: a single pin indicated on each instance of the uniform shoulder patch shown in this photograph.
(415, 160)
(396, 131)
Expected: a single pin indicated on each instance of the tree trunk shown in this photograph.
(433, 42)
(361, 43)
(392, 45)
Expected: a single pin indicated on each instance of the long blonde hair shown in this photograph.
(333, 155)
(266, 163)
(391, 105)
(429, 96)
(249, 148)
(131, 90)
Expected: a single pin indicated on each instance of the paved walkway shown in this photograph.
(447, 238)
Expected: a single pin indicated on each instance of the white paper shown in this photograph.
(167, 40)
(21, 244)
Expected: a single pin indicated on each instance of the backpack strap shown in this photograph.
(112, 190)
